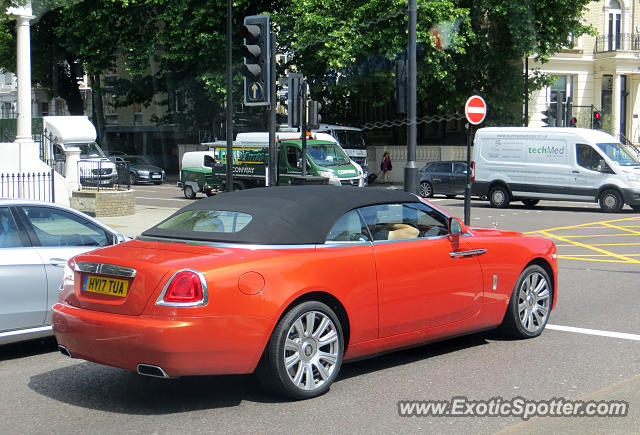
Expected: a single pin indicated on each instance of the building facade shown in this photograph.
(597, 74)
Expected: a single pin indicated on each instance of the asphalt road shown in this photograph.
(46, 392)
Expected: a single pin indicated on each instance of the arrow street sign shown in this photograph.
(475, 109)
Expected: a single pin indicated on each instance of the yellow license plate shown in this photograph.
(105, 286)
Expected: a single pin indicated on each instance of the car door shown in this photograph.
(458, 178)
(23, 291)
(57, 236)
(586, 173)
(440, 175)
(420, 284)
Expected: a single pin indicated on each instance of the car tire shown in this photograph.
(426, 189)
(611, 201)
(530, 202)
(304, 354)
(499, 197)
(530, 304)
(189, 193)
(132, 179)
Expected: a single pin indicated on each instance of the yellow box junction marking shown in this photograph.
(603, 254)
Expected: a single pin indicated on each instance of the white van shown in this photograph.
(566, 164)
(94, 168)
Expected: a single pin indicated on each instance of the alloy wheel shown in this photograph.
(534, 302)
(311, 350)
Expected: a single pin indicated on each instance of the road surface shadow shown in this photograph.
(28, 348)
(97, 387)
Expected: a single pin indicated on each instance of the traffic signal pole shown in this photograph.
(229, 108)
(273, 150)
(411, 168)
(303, 127)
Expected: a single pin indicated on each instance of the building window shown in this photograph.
(558, 96)
(176, 101)
(44, 108)
(613, 25)
(137, 114)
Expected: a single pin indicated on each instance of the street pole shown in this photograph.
(229, 111)
(467, 186)
(303, 127)
(411, 168)
(526, 91)
(273, 151)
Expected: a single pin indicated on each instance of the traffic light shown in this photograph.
(597, 120)
(293, 99)
(314, 114)
(573, 122)
(550, 116)
(545, 118)
(257, 56)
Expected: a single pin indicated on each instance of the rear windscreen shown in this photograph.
(207, 221)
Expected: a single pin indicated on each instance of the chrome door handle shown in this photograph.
(470, 253)
(576, 172)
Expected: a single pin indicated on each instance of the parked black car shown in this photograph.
(446, 177)
(140, 170)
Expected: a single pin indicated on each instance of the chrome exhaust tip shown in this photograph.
(63, 350)
(153, 371)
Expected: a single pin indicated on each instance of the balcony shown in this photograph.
(617, 42)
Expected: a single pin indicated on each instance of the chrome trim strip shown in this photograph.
(25, 334)
(105, 269)
(252, 247)
(469, 253)
(205, 292)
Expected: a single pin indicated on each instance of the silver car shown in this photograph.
(36, 240)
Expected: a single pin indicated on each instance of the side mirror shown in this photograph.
(604, 168)
(456, 227)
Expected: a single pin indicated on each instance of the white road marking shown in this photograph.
(610, 334)
(164, 199)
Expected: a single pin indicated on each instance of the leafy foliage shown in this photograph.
(346, 49)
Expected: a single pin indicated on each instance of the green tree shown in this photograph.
(346, 49)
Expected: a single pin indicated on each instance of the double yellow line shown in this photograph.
(613, 257)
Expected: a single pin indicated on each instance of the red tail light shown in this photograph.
(185, 288)
(473, 171)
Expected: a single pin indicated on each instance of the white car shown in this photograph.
(36, 240)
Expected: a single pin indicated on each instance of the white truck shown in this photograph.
(566, 164)
(69, 132)
(359, 179)
(351, 139)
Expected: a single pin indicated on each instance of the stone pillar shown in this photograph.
(71, 168)
(28, 148)
(615, 103)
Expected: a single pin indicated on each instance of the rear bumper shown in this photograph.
(180, 346)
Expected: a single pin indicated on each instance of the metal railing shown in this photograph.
(618, 42)
(30, 185)
(101, 175)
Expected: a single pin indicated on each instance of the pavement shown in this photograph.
(146, 216)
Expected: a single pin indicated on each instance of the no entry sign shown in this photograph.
(475, 109)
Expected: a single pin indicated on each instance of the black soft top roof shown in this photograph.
(288, 215)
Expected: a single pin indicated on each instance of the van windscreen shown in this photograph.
(621, 154)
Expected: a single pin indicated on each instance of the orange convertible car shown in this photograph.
(291, 281)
